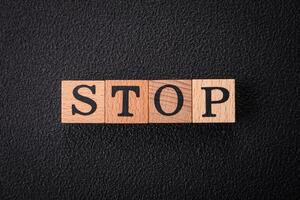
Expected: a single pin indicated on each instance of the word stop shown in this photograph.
(148, 101)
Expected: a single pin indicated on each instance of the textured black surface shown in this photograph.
(253, 42)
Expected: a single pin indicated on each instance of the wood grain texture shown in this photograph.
(67, 100)
(225, 112)
(138, 106)
(169, 100)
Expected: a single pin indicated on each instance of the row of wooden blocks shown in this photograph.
(148, 101)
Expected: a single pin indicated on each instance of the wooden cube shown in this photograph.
(170, 101)
(82, 101)
(214, 101)
(126, 101)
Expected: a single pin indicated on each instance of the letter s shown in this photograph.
(84, 99)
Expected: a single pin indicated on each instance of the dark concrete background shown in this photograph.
(44, 42)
